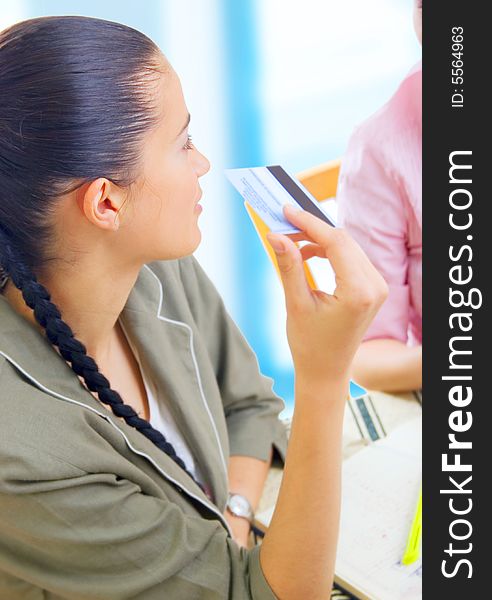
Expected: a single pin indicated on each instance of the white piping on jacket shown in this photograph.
(195, 363)
(178, 484)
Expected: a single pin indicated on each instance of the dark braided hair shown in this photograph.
(74, 106)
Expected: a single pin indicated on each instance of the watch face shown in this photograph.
(239, 506)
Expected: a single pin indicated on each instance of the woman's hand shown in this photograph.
(323, 330)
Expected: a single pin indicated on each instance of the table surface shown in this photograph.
(393, 410)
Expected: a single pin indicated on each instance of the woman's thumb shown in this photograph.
(290, 265)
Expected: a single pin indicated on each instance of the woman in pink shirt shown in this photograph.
(380, 203)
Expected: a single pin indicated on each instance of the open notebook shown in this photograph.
(380, 487)
(379, 494)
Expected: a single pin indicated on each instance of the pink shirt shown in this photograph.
(380, 204)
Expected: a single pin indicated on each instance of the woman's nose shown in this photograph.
(202, 164)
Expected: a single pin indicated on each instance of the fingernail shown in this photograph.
(292, 208)
(276, 244)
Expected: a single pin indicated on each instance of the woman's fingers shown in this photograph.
(299, 237)
(349, 262)
(319, 324)
(310, 226)
(290, 264)
(311, 250)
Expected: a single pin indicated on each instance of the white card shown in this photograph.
(268, 189)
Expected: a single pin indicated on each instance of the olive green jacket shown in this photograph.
(89, 507)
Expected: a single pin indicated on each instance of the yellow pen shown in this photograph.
(412, 551)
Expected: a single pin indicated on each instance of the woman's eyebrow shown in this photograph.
(185, 125)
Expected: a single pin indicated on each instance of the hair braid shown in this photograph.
(60, 334)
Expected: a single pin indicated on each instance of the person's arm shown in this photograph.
(388, 365)
(247, 477)
(298, 552)
(302, 538)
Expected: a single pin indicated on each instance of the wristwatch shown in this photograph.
(239, 506)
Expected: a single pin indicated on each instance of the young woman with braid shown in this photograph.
(130, 402)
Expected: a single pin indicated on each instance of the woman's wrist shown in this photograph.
(240, 528)
(326, 390)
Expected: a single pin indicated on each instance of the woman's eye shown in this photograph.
(188, 145)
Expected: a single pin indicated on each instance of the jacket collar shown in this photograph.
(156, 338)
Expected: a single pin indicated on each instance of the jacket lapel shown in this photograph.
(165, 346)
(166, 352)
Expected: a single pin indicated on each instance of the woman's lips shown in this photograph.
(199, 207)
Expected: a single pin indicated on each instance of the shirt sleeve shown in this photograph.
(251, 407)
(372, 207)
(97, 536)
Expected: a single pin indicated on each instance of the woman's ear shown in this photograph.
(100, 202)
